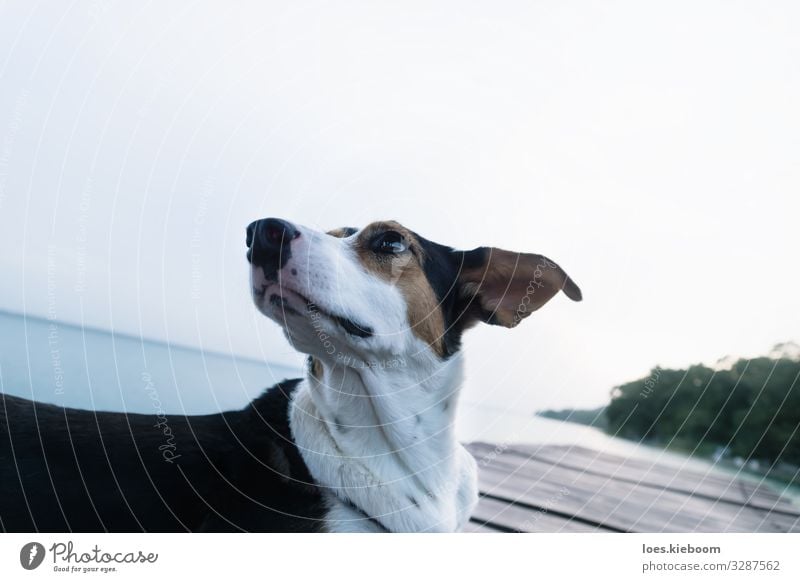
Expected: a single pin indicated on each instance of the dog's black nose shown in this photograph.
(269, 243)
(270, 232)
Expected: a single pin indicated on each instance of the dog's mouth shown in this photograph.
(280, 302)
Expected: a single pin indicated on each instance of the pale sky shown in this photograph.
(652, 149)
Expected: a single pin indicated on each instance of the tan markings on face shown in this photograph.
(405, 270)
(340, 232)
(316, 369)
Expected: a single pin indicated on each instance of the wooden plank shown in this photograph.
(631, 507)
(777, 522)
(762, 495)
(666, 474)
(713, 485)
(613, 503)
(476, 527)
(603, 506)
(512, 517)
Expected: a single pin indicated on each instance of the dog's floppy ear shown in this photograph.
(504, 287)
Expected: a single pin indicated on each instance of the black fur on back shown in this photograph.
(68, 470)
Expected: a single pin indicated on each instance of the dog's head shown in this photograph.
(383, 291)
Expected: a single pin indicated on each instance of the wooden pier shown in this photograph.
(528, 488)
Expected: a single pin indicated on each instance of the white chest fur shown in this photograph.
(382, 444)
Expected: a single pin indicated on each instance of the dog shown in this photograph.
(365, 442)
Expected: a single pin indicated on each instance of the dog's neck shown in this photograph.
(381, 438)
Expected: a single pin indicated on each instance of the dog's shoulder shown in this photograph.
(272, 489)
(271, 408)
(265, 424)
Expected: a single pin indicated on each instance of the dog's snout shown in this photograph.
(269, 243)
(270, 232)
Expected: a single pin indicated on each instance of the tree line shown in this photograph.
(750, 410)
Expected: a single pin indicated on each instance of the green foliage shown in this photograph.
(751, 410)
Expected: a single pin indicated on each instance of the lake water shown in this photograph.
(93, 369)
(87, 368)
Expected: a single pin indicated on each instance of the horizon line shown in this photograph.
(141, 338)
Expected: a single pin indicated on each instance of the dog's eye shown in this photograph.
(389, 243)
